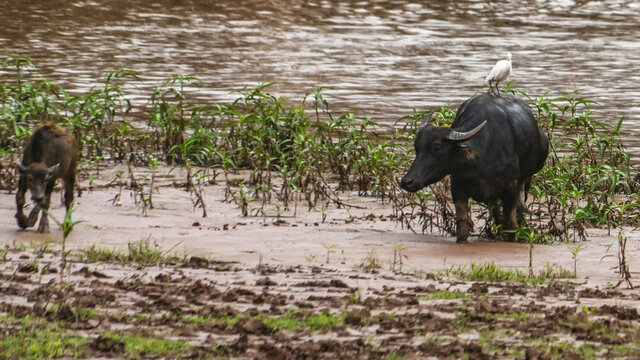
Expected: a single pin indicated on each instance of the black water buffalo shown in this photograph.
(491, 151)
(51, 153)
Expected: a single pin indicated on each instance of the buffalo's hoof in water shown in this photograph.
(509, 237)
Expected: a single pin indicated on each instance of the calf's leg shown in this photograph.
(33, 215)
(69, 185)
(22, 219)
(43, 227)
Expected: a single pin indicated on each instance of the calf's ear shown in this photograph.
(21, 168)
(53, 170)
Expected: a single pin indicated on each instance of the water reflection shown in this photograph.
(381, 58)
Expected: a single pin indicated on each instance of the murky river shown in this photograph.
(378, 58)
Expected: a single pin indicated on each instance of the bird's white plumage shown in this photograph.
(501, 71)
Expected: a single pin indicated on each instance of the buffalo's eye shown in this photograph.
(435, 148)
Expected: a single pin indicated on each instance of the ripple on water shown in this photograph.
(382, 59)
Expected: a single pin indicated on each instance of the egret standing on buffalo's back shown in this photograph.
(500, 72)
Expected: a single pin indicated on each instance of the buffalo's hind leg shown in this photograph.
(496, 212)
(495, 209)
(522, 203)
(510, 211)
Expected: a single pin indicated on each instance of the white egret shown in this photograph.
(500, 72)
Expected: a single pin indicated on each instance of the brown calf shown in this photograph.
(51, 153)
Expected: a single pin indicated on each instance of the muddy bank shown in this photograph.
(202, 308)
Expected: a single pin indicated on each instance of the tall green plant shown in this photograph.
(25, 103)
(99, 118)
(167, 116)
(588, 166)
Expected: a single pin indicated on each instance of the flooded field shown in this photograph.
(308, 250)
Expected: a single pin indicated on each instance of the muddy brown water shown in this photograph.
(378, 58)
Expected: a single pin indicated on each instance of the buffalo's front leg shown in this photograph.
(464, 225)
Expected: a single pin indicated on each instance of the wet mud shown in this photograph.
(229, 309)
(273, 287)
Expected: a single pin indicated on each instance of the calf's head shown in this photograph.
(437, 152)
(37, 176)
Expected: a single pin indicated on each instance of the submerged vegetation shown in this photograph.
(305, 154)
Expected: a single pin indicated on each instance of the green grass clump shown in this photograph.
(24, 344)
(229, 320)
(447, 295)
(394, 356)
(140, 346)
(630, 350)
(298, 320)
(559, 349)
(97, 254)
(141, 253)
(492, 272)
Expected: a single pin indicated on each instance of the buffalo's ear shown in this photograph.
(466, 152)
(21, 168)
(52, 171)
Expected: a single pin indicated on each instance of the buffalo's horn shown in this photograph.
(457, 136)
(425, 122)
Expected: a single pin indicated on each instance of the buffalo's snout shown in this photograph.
(407, 183)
